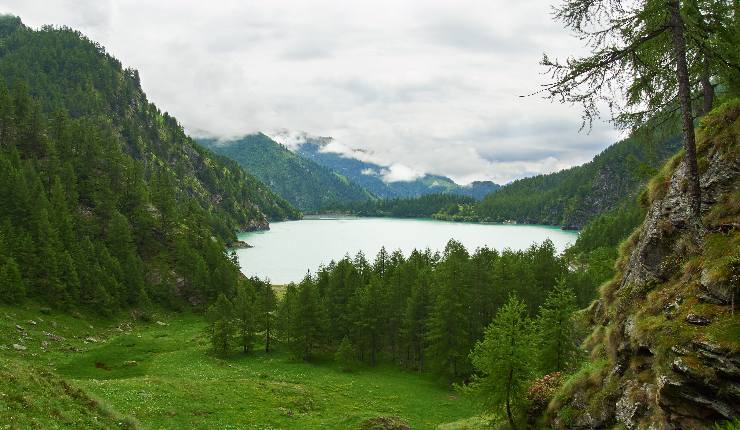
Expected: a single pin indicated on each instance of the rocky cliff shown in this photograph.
(665, 345)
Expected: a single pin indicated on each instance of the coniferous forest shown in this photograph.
(104, 196)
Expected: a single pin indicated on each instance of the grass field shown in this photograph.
(160, 375)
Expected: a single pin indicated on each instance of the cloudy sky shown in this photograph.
(420, 85)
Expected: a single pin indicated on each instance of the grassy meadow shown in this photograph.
(158, 375)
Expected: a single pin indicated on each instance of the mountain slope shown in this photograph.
(572, 197)
(300, 181)
(370, 175)
(665, 345)
(107, 203)
(65, 71)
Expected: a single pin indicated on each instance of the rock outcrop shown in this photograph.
(665, 349)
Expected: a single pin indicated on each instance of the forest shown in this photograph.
(104, 197)
(415, 207)
(572, 197)
(305, 184)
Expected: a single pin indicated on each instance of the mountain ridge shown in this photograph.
(371, 175)
(299, 180)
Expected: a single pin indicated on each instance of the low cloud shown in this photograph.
(420, 86)
(400, 173)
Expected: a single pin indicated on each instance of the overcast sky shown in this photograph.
(423, 85)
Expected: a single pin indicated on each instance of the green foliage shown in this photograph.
(572, 197)
(728, 425)
(420, 207)
(425, 311)
(346, 355)
(107, 204)
(245, 316)
(556, 329)
(221, 315)
(12, 288)
(505, 359)
(266, 306)
(302, 182)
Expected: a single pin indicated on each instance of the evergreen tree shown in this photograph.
(12, 288)
(245, 311)
(286, 313)
(557, 335)
(415, 322)
(221, 315)
(370, 320)
(266, 305)
(449, 340)
(346, 355)
(505, 360)
(308, 327)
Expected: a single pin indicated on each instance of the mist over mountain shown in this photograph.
(384, 181)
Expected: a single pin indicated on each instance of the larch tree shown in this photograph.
(309, 322)
(245, 317)
(647, 58)
(556, 328)
(448, 337)
(266, 305)
(504, 360)
(220, 315)
(346, 355)
(12, 288)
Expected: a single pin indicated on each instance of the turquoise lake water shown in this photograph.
(289, 249)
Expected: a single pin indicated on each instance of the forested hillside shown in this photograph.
(572, 197)
(420, 207)
(370, 175)
(106, 202)
(305, 184)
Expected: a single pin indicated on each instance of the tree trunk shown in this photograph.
(684, 98)
(508, 400)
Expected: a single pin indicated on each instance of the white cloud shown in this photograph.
(430, 85)
(398, 172)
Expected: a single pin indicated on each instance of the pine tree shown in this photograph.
(12, 287)
(415, 322)
(245, 317)
(221, 315)
(346, 355)
(266, 305)
(370, 321)
(557, 344)
(309, 323)
(504, 360)
(448, 338)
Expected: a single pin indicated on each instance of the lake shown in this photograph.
(284, 253)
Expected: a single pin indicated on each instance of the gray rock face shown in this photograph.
(671, 215)
(657, 316)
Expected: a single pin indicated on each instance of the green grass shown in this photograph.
(164, 378)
